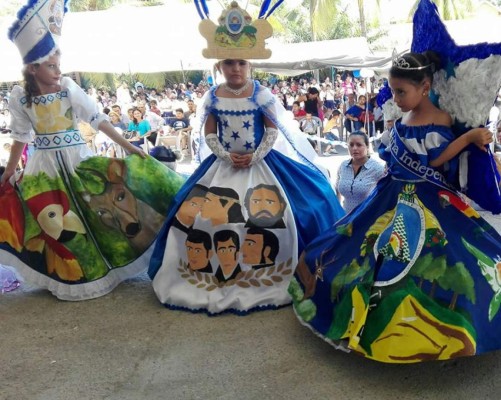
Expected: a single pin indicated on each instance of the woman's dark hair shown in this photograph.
(360, 133)
(313, 90)
(416, 66)
(134, 118)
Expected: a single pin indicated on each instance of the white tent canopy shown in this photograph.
(127, 39)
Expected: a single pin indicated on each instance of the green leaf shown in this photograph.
(494, 305)
(478, 254)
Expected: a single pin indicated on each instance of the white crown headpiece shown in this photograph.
(37, 31)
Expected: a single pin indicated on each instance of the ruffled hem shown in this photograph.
(82, 291)
(240, 313)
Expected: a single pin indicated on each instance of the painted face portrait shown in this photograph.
(197, 255)
(227, 246)
(260, 248)
(192, 206)
(265, 206)
(227, 254)
(199, 250)
(252, 249)
(222, 206)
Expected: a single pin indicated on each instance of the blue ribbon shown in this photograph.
(274, 8)
(264, 8)
(205, 8)
(199, 10)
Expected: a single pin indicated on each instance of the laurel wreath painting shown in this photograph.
(254, 277)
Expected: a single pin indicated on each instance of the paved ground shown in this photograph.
(126, 346)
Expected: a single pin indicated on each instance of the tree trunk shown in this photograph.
(361, 11)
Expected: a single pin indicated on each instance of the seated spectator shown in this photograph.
(140, 126)
(123, 117)
(311, 126)
(354, 114)
(116, 121)
(298, 112)
(332, 132)
(180, 126)
(154, 107)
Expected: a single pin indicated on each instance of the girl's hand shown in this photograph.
(241, 160)
(136, 150)
(6, 175)
(480, 137)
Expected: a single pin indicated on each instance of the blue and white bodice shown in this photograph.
(425, 143)
(240, 124)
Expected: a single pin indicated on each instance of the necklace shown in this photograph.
(237, 92)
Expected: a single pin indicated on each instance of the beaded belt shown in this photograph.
(58, 140)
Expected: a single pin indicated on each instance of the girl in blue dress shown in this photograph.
(413, 273)
(233, 236)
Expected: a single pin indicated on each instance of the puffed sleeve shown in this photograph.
(84, 106)
(20, 123)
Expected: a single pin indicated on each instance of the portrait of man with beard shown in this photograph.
(265, 206)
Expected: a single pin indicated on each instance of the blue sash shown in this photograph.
(483, 179)
(411, 162)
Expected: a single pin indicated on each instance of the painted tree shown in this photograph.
(429, 269)
(458, 279)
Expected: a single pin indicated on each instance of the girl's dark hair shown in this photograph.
(30, 86)
(360, 133)
(416, 66)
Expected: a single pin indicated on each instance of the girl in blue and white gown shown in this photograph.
(413, 273)
(233, 235)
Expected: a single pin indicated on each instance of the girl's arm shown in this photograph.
(212, 141)
(479, 136)
(267, 142)
(15, 155)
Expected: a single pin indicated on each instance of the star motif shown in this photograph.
(227, 146)
(459, 64)
(225, 123)
(248, 145)
(235, 135)
(247, 124)
(450, 69)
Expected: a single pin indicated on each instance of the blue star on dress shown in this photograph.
(247, 124)
(227, 146)
(235, 135)
(225, 123)
(248, 145)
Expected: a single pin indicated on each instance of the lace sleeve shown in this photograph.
(269, 138)
(216, 147)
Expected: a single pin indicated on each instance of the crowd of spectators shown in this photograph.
(329, 109)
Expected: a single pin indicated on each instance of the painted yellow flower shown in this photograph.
(49, 118)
